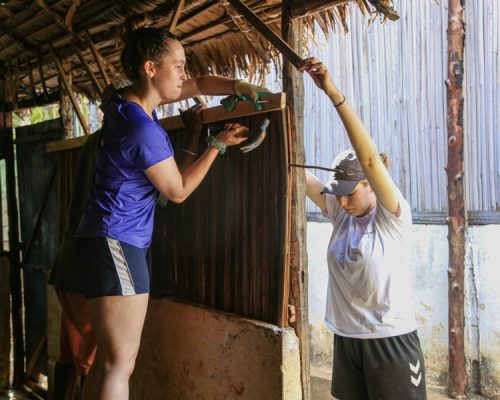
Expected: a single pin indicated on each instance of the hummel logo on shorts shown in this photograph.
(415, 369)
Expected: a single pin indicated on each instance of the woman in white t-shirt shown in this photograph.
(377, 352)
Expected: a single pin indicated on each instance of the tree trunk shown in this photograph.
(457, 211)
(293, 85)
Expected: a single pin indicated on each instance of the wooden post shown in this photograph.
(6, 135)
(293, 86)
(67, 85)
(457, 211)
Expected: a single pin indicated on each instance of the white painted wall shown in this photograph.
(430, 285)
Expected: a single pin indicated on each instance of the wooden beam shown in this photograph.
(69, 90)
(93, 78)
(293, 85)
(98, 59)
(197, 12)
(271, 102)
(175, 16)
(301, 8)
(245, 108)
(66, 144)
(287, 51)
(457, 210)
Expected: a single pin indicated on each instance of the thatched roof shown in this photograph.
(217, 40)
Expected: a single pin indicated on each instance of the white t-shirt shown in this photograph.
(369, 290)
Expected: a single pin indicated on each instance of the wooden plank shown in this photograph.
(287, 51)
(69, 90)
(457, 212)
(66, 144)
(272, 102)
(245, 108)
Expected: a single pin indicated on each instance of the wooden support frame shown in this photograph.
(287, 51)
(69, 90)
(271, 102)
(98, 59)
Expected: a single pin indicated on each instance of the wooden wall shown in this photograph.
(226, 245)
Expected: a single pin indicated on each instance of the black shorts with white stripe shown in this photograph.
(109, 267)
(378, 369)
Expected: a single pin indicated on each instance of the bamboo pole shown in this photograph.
(6, 132)
(457, 211)
(293, 85)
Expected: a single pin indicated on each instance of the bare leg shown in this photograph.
(117, 322)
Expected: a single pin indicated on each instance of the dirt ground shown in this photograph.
(320, 382)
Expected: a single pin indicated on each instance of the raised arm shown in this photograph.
(218, 86)
(366, 151)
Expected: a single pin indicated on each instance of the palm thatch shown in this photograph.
(217, 41)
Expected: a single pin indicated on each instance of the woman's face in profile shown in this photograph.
(170, 74)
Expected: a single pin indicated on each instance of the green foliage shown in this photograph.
(35, 115)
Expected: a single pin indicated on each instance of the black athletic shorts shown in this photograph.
(378, 369)
(109, 267)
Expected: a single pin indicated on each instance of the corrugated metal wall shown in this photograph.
(226, 246)
(394, 75)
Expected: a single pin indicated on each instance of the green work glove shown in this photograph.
(244, 88)
(229, 103)
(244, 91)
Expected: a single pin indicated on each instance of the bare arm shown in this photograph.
(218, 85)
(366, 151)
(206, 85)
(192, 120)
(177, 186)
(313, 191)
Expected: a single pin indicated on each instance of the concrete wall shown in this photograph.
(430, 285)
(190, 352)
